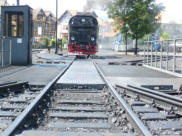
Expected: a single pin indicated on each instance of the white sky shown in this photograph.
(172, 12)
(51, 4)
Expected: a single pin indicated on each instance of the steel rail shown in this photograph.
(15, 124)
(140, 127)
(154, 97)
(9, 82)
(12, 84)
(164, 95)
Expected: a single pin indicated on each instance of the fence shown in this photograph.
(5, 52)
(166, 56)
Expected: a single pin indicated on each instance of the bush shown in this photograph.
(37, 45)
(64, 40)
(165, 35)
(45, 42)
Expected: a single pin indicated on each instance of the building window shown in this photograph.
(14, 24)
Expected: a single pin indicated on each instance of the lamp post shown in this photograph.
(56, 27)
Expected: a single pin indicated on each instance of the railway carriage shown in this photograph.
(83, 35)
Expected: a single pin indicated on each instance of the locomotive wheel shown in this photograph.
(77, 56)
(80, 57)
(88, 56)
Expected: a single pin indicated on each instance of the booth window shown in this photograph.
(14, 24)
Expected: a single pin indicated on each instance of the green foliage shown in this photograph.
(45, 42)
(165, 35)
(135, 18)
(53, 43)
(64, 41)
(37, 45)
(147, 37)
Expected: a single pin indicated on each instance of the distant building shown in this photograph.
(106, 28)
(174, 30)
(44, 24)
(63, 22)
(3, 3)
(107, 34)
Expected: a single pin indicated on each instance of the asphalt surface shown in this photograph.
(44, 68)
(132, 71)
(39, 74)
(117, 67)
(121, 69)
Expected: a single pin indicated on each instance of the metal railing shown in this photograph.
(165, 56)
(5, 52)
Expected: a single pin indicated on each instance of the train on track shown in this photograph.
(83, 35)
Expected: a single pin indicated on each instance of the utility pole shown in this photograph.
(18, 2)
(56, 27)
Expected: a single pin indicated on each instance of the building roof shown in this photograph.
(36, 12)
(45, 12)
(71, 12)
(49, 13)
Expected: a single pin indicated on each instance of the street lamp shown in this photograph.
(56, 27)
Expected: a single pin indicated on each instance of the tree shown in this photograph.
(141, 16)
(116, 10)
(125, 31)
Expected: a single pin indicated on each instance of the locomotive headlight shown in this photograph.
(92, 39)
(83, 20)
(72, 38)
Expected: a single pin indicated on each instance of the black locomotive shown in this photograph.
(83, 34)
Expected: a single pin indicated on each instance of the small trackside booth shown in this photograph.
(17, 33)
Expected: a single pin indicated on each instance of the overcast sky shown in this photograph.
(172, 12)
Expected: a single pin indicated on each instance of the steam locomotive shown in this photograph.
(83, 35)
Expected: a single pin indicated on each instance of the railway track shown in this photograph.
(14, 97)
(159, 111)
(82, 112)
(78, 111)
(29, 112)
